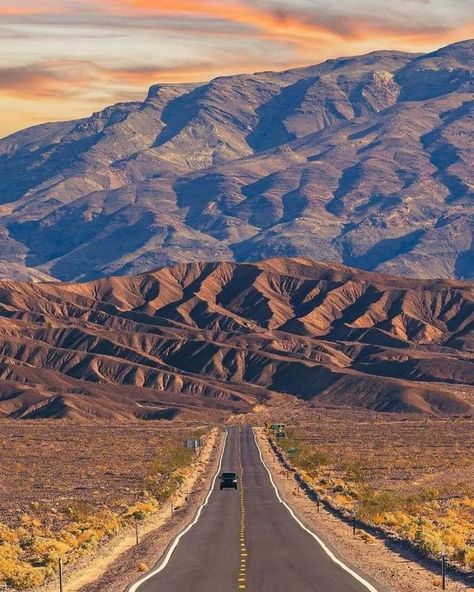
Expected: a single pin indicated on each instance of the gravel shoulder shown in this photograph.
(395, 569)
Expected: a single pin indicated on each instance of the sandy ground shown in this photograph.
(395, 569)
(119, 561)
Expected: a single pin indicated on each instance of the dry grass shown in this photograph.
(412, 477)
(65, 487)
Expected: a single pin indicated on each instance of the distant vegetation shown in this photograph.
(413, 479)
(105, 498)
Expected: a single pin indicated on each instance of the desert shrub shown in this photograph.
(45, 552)
(427, 540)
(79, 511)
(306, 458)
(7, 535)
(165, 475)
(465, 556)
(468, 502)
(454, 537)
(397, 519)
(25, 576)
(354, 469)
(311, 460)
(18, 574)
(140, 510)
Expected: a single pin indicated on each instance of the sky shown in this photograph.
(64, 59)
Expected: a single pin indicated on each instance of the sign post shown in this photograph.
(443, 568)
(60, 566)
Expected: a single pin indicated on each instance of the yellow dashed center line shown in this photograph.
(242, 576)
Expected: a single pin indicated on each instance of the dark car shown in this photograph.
(228, 480)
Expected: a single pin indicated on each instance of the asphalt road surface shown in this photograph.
(248, 540)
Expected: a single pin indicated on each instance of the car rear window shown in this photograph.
(229, 475)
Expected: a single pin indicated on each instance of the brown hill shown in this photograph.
(220, 337)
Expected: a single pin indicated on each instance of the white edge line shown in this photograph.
(320, 542)
(172, 549)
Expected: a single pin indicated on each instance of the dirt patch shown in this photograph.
(396, 569)
(56, 464)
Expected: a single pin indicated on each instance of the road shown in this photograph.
(248, 540)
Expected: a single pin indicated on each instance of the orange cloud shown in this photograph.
(301, 28)
(44, 80)
(29, 8)
(270, 22)
(59, 80)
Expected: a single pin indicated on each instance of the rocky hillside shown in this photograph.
(364, 160)
(225, 336)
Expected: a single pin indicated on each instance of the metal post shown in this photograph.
(353, 524)
(317, 503)
(60, 575)
(136, 531)
(443, 570)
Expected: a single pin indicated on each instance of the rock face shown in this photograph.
(365, 161)
(225, 336)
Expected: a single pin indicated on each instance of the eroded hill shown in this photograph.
(220, 337)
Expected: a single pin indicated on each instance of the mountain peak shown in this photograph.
(362, 160)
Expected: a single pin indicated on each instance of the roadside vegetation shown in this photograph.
(76, 486)
(411, 478)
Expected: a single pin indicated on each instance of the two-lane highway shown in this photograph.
(249, 540)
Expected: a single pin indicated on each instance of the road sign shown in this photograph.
(193, 443)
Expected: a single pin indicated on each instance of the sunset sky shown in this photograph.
(63, 59)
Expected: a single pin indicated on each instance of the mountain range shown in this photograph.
(219, 338)
(365, 161)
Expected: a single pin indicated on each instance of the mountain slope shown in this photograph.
(364, 160)
(226, 336)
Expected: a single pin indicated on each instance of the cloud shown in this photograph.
(294, 20)
(88, 81)
(305, 23)
(297, 24)
(44, 80)
(26, 7)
